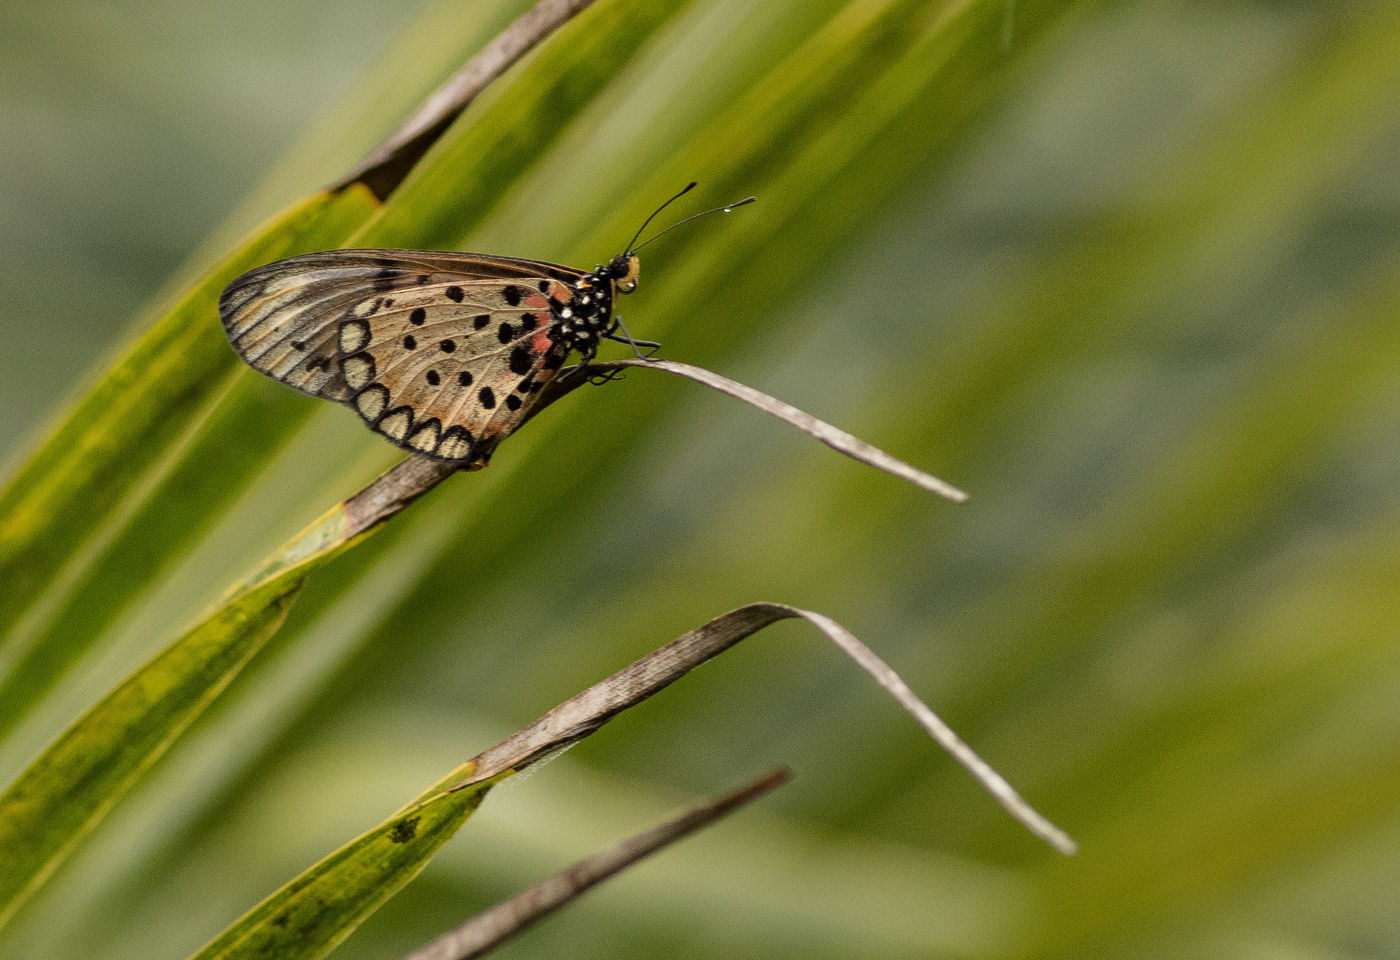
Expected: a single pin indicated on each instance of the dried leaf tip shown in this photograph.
(834, 437)
(497, 924)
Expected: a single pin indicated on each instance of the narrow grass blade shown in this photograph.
(190, 498)
(75, 481)
(75, 782)
(492, 927)
(308, 917)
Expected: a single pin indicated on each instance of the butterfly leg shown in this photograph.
(627, 338)
(575, 370)
(586, 353)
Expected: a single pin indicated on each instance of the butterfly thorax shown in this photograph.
(586, 317)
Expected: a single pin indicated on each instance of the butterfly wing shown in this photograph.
(442, 353)
(448, 370)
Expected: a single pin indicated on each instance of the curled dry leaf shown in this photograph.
(839, 440)
(580, 715)
(494, 926)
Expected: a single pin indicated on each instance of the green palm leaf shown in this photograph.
(1125, 272)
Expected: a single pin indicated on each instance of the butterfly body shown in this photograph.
(442, 353)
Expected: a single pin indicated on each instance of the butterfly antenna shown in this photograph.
(688, 187)
(724, 209)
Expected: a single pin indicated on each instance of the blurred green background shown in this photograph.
(1137, 296)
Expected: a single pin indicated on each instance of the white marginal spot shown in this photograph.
(396, 424)
(371, 402)
(425, 438)
(453, 448)
(358, 371)
(365, 307)
(354, 335)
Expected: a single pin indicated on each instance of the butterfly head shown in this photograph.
(624, 270)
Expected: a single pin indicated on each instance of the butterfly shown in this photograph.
(443, 353)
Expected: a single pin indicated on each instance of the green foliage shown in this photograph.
(309, 916)
(1125, 272)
